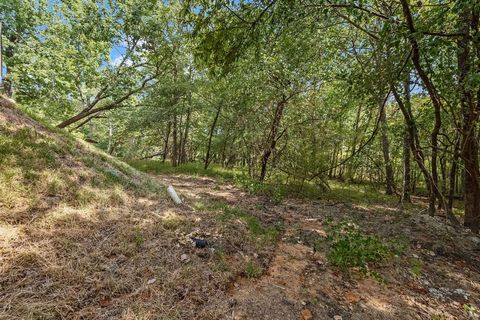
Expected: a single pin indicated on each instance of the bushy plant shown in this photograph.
(350, 248)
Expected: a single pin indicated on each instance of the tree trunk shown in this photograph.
(175, 142)
(110, 137)
(210, 136)
(436, 194)
(184, 138)
(272, 137)
(469, 147)
(453, 175)
(165, 145)
(389, 176)
(407, 142)
(183, 152)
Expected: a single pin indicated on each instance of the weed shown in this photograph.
(416, 267)
(255, 228)
(221, 263)
(85, 196)
(350, 248)
(214, 171)
(172, 223)
(252, 270)
(471, 311)
(138, 238)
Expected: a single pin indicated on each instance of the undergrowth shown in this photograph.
(256, 229)
(349, 247)
(277, 187)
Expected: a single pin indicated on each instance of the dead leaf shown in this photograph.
(307, 314)
(352, 297)
(105, 302)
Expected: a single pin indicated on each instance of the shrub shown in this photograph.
(350, 248)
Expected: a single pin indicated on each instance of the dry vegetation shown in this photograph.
(85, 236)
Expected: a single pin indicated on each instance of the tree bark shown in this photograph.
(165, 145)
(272, 137)
(407, 180)
(453, 174)
(210, 136)
(436, 106)
(389, 176)
(175, 142)
(183, 151)
(469, 147)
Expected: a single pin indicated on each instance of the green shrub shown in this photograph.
(350, 248)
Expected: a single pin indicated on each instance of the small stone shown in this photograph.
(337, 317)
(307, 314)
(151, 281)
(184, 257)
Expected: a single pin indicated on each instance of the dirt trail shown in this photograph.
(299, 283)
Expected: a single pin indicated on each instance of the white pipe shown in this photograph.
(171, 192)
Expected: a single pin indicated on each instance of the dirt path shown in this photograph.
(299, 283)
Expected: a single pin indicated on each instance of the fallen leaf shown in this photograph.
(352, 297)
(105, 302)
(307, 314)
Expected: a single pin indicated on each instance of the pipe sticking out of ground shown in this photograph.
(173, 194)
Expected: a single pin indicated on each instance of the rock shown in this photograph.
(184, 258)
(436, 293)
(173, 194)
(151, 281)
(460, 293)
(337, 317)
(307, 314)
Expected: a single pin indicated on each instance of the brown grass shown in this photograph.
(84, 236)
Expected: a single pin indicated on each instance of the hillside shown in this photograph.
(60, 199)
(43, 168)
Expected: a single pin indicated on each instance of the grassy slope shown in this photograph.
(59, 197)
(41, 168)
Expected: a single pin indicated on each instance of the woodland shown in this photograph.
(285, 100)
(366, 92)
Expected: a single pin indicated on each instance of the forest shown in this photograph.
(280, 115)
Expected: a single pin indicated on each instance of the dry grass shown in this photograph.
(120, 262)
(85, 236)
